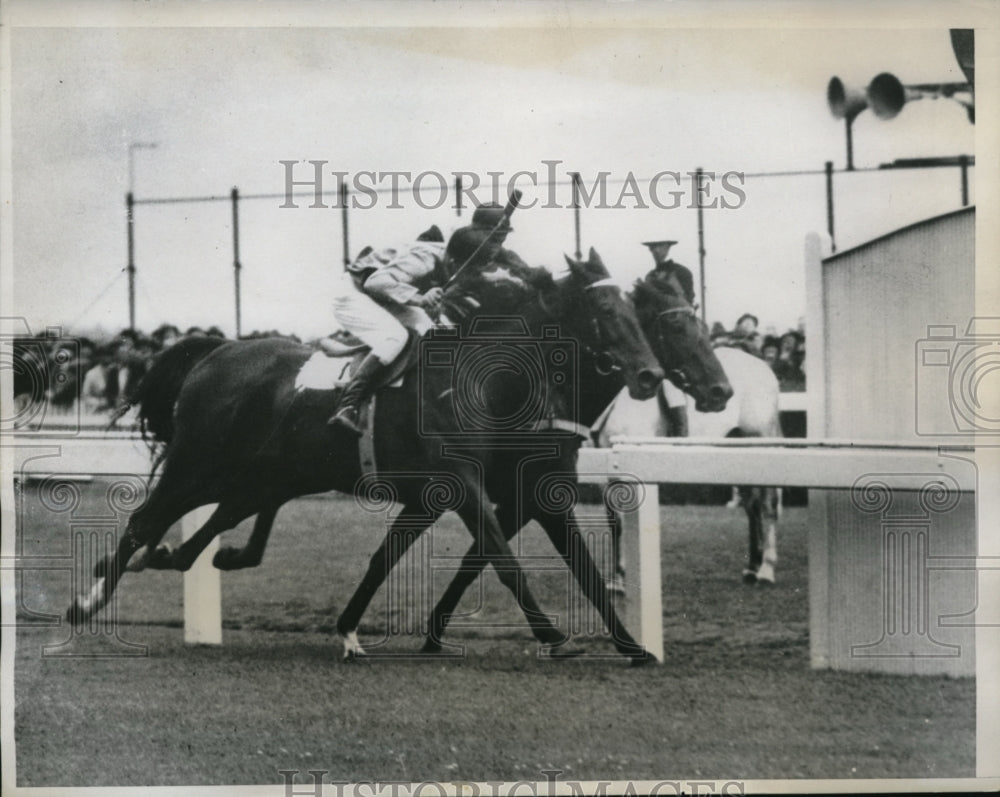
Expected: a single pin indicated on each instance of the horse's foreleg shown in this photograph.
(472, 565)
(569, 542)
(481, 521)
(229, 557)
(406, 527)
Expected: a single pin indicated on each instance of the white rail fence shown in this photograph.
(824, 464)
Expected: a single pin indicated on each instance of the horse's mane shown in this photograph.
(525, 292)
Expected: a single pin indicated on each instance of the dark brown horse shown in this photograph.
(239, 434)
(681, 342)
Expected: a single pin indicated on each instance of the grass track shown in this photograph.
(735, 698)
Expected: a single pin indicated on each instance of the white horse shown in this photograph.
(751, 412)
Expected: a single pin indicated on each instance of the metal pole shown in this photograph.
(963, 162)
(129, 215)
(829, 205)
(848, 123)
(701, 242)
(458, 195)
(343, 222)
(237, 266)
(576, 214)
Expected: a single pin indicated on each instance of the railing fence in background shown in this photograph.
(343, 202)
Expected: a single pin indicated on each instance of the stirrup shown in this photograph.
(347, 417)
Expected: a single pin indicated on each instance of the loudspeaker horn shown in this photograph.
(887, 95)
(845, 101)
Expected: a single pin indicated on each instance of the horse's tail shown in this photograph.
(157, 391)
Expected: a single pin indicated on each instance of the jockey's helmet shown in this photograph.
(471, 244)
(491, 217)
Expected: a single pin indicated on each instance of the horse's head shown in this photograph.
(663, 304)
(586, 306)
(597, 314)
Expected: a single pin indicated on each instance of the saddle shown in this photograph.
(333, 365)
(343, 346)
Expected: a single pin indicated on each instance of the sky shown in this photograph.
(225, 105)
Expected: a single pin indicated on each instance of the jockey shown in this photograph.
(394, 290)
(388, 291)
(492, 222)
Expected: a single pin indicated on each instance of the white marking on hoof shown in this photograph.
(766, 573)
(95, 600)
(138, 561)
(352, 647)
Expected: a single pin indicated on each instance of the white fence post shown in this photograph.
(202, 586)
(641, 538)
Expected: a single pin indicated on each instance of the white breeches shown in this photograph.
(382, 329)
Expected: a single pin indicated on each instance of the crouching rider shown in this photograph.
(387, 292)
(399, 289)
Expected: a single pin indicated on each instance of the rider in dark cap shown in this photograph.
(479, 246)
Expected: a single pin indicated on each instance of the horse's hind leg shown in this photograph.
(753, 505)
(250, 555)
(229, 513)
(770, 509)
(181, 489)
(145, 529)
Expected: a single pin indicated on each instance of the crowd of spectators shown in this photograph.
(90, 373)
(785, 353)
(95, 375)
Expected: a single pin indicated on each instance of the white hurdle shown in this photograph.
(828, 464)
(202, 586)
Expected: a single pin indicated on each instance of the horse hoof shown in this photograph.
(75, 614)
(162, 557)
(749, 577)
(430, 647)
(615, 585)
(763, 581)
(642, 659)
(225, 559)
(352, 646)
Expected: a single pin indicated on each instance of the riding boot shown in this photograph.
(677, 420)
(358, 390)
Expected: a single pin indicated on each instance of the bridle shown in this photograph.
(602, 353)
(683, 381)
